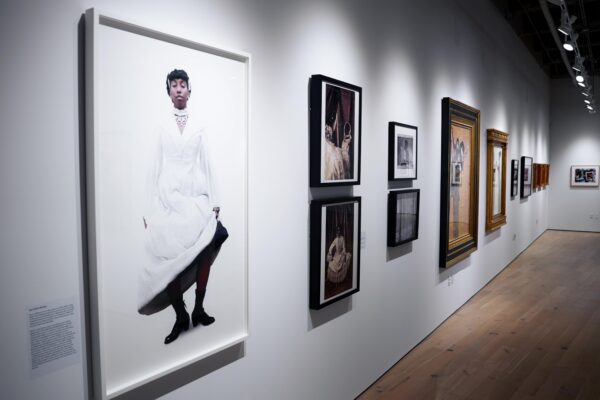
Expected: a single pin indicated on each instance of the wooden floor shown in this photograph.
(531, 333)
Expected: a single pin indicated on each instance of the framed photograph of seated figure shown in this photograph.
(459, 205)
(334, 250)
(335, 132)
(166, 164)
(402, 151)
(496, 180)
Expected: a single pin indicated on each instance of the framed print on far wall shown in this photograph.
(495, 215)
(335, 132)
(403, 216)
(334, 250)
(584, 175)
(526, 176)
(166, 168)
(514, 177)
(459, 182)
(402, 151)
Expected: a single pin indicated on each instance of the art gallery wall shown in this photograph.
(574, 140)
(405, 64)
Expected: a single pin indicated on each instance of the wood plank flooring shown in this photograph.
(531, 333)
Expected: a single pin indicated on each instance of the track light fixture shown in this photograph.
(566, 22)
(578, 65)
(571, 44)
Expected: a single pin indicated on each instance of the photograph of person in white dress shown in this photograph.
(182, 228)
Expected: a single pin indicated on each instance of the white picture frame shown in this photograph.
(126, 70)
(584, 175)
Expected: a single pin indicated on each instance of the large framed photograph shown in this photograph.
(514, 176)
(495, 215)
(403, 216)
(402, 151)
(334, 250)
(335, 132)
(167, 134)
(459, 182)
(584, 175)
(526, 176)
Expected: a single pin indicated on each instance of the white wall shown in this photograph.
(405, 55)
(574, 140)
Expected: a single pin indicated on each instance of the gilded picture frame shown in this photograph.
(459, 205)
(495, 215)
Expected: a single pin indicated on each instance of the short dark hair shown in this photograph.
(178, 74)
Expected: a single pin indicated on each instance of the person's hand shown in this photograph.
(145, 224)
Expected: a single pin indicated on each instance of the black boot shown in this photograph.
(199, 316)
(182, 323)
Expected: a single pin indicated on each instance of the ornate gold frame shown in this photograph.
(495, 138)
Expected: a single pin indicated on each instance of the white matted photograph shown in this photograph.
(402, 151)
(167, 133)
(584, 175)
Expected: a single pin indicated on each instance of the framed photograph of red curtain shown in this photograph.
(335, 132)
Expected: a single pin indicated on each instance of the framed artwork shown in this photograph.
(537, 175)
(526, 176)
(402, 151)
(514, 176)
(495, 215)
(335, 132)
(547, 175)
(584, 175)
(334, 250)
(460, 182)
(403, 216)
(167, 201)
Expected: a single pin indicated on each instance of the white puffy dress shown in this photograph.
(180, 220)
(338, 260)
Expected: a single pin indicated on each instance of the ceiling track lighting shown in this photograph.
(569, 43)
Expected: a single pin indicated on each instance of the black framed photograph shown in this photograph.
(514, 176)
(459, 182)
(334, 250)
(402, 151)
(403, 216)
(335, 132)
(526, 176)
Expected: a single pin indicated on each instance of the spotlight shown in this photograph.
(586, 101)
(579, 78)
(570, 44)
(590, 108)
(566, 22)
(581, 84)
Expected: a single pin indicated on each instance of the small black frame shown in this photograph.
(402, 167)
(526, 176)
(403, 224)
(514, 176)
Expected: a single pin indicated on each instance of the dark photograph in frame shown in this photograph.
(335, 132)
(402, 151)
(526, 176)
(334, 250)
(495, 215)
(403, 216)
(514, 174)
(459, 182)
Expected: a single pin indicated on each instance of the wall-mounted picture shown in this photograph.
(514, 174)
(546, 174)
(167, 192)
(334, 250)
(496, 180)
(584, 175)
(403, 216)
(402, 151)
(460, 182)
(335, 132)
(526, 176)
